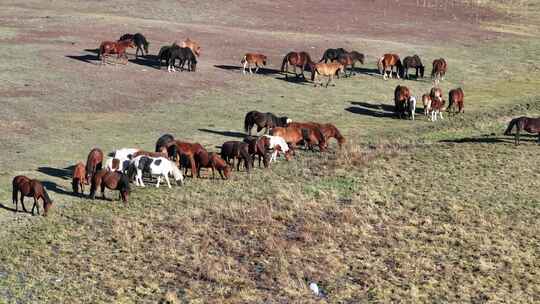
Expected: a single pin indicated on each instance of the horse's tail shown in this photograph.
(313, 72)
(123, 184)
(248, 121)
(75, 184)
(285, 60)
(15, 192)
(511, 125)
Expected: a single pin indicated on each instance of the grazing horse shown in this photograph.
(215, 163)
(314, 136)
(530, 125)
(401, 98)
(278, 144)
(331, 131)
(296, 135)
(139, 40)
(94, 163)
(236, 150)
(123, 157)
(332, 54)
(166, 144)
(350, 59)
(79, 178)
(253, 59)
(165, 53)
(413, 62)
(296, 59)
(263, 121)
(194, 46)
(426, 101)
(326, 69)
(112, 180)
(258, 146)
(188, 151)
(155, 166)
(436, 107)
(390, 61)
(439, 70)
(184, 55)
(31, 188)
(111, 47)
(456, 99)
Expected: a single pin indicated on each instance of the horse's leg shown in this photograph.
(295, 74)
(22, 203)
(102, 189)
(256, 69)
(167, 180)
(517, 135)
(245, 66)
(34, 206)
(158, 181)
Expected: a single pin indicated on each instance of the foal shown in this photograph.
(253, 59)
(31, 188)
(79, 178)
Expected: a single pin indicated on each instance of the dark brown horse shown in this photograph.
(213, 161)
(94, 162)
(31, 188)
(188, 151)
(112, 47)
(79, 178)
(413, 62)
(236, 150)
(349, 60)
(530, 125)
(296, 59)
(263, 121)
(402, 94)
(259, 146)
(111, 180)
(389, 61)
(438, 70)
(456, 99)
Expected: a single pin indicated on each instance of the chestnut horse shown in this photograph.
(139, 40)
(390, 61)
(402, 94)
(111, 47)
(296, 59)
(189, 151)
(350, 59)
(253, 59)
(112, 180)
(94, 162)
(439, 70)
(308, 134)
(530, 125)
(326, 69)
(214, 162)
(79, 178)
(456, 99)
(194, 46)
(436, 107)
(31, 188)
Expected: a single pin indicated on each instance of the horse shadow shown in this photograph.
(367, 71)
(92, 59)
(2, 206)
(151, 61)
(52, 186)
(489, 139)
(262, 70)
(225, 133)
(294, 80)
(64, 174)
(369, 109)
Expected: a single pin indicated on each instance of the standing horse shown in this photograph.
(530, 125)
(31, 188)
(139, 40)
(278, 144)
(296, 59)
(390, 61)
(350, 59)
(94, 163)
(110, 47)
(456, 99)
(263, 121)
(401, 98)
(306, 134)
(253, 59)
(188, 151)
(426, 101)
(413, 62)
(326, 69)
(313, 136)
(435, 93)
(332, 54)
(236, 150)
(439, 70)
(79, 178)
(194, 46)
(331, 131)
(165, 53)
(155, 166)
(184, 55)
(258, 146)
(111, 180)
(436, 107)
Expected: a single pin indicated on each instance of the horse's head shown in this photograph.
(177, 174)
(227, 171)
(47, 202)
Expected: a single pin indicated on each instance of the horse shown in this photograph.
(401, 97)
(436, 107)
(332, 54)
(111, 180)
(111, 47)
(296, 59)
(307, 134)
(350, 59)
(139, 40)
(411, 107)
(94, 163)
(79, 178)
(236, 150)
(253, 59)
(439, 70)
(155, 166)
(264, 121)
(456, 99)
(194, 46)
(530, 125)
(189, 150)
(390, 61)
(435, 93)
(326, 69)
(258, 146)
(313, 136)
(413, 62)
(113, 164)
(184, 55)
(426, 101)
(215, 163)
(331, 131)
(124, 156)
(278, 144)
(165, 53)
(31, 188)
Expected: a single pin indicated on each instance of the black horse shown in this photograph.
(139, 40)
(332, 54)
(167, 141)
(184, 55)
(165, 53)
(263, 120)
(413, 62)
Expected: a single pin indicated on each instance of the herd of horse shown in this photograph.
(281, 136)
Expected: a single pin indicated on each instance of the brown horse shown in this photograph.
(390, 61)
(79, 178)
(402, 94)
(296, 59)
(438, 70)
(456, 99)
(112, 47)
(31, 188)
(435, 93)
(236, 150)
(349, 60)
(331, 131)
(426, 101)
(111, 180)
(253, 59)
(259, 146)
(326, 69)
(188, 151)
(194, 46)
(308, 133)
(94, 163)
(214, 162)
(530, 125)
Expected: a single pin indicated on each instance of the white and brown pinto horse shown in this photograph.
(155, 166)
(388, 62)
(251, 59)
(278, 144)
